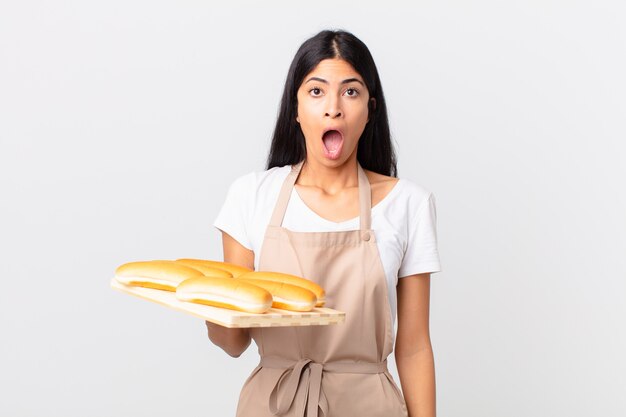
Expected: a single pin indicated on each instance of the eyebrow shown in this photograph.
(346, 81)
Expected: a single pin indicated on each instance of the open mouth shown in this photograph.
(333, 143)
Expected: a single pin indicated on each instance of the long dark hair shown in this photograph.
(375, 150)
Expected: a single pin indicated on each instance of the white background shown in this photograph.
(122, 124)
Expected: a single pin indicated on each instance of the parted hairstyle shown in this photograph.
(375, 150)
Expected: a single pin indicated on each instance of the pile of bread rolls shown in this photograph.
(225, 285)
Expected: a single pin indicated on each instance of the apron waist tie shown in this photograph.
(309, 373)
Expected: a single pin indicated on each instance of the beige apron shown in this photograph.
(339, 369)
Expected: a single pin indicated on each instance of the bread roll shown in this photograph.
(161, 275)
(289, 279)
(235, 270)
(206, 270)
(225, 293)
(286, 296)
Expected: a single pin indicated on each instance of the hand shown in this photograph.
(233, 341)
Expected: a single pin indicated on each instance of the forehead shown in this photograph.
(335, 69)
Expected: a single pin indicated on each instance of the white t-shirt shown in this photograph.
(404, 222)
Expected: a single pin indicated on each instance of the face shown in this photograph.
(332, 111)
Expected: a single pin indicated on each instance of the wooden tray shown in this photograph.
(232, 318)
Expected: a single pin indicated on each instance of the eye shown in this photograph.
(315, 91)
(352, 92)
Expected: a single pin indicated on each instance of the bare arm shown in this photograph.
(232, 341)
(413, 351)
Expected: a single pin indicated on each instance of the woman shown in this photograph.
(330, 208)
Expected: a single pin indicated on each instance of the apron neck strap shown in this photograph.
(365, 197)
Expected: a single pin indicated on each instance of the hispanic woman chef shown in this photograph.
(329, 207)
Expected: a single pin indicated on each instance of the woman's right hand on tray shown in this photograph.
(233, 341)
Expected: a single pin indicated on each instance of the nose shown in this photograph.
(333, 109)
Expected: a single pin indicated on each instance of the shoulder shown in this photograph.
(377, 179)
(408, 193)
(255, 182)
(416, 194)
(381, 185)
(419, 201)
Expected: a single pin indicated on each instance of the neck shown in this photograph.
(331, 180)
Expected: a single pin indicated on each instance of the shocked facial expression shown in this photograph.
(332, 111)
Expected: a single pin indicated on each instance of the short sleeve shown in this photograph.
(234, 216)
(421, 255)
